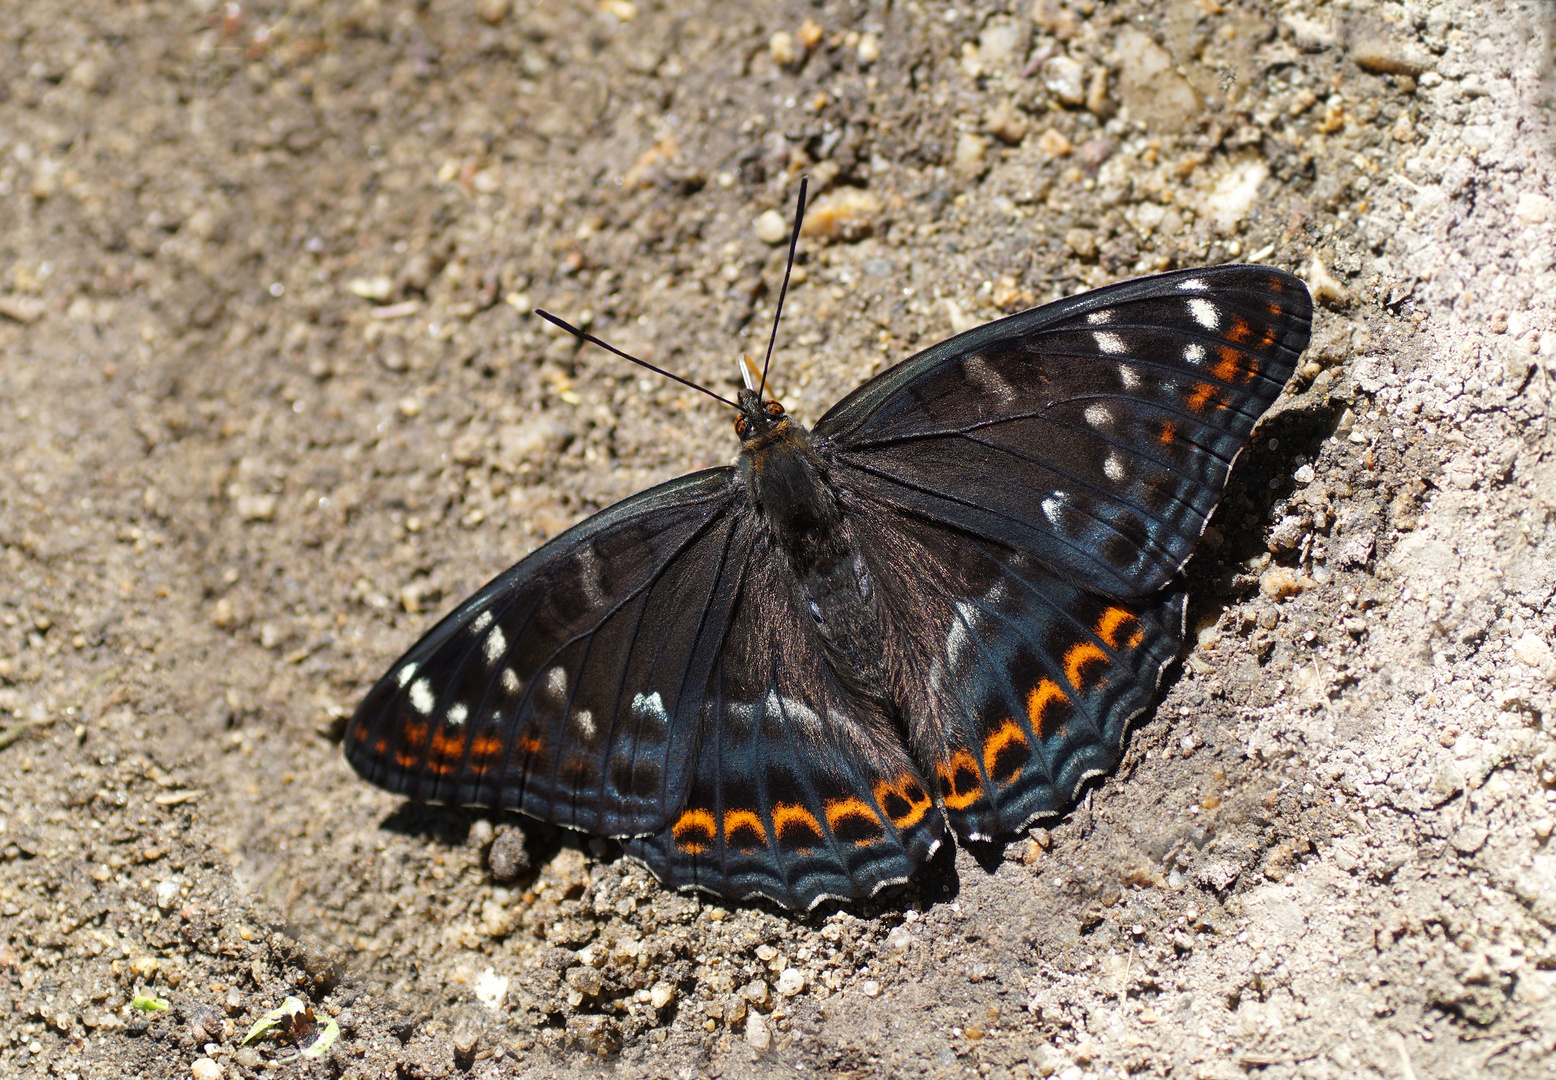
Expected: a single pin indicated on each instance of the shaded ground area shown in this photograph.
(270, 401)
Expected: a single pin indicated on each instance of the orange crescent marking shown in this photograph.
(531, 745)
(1202, 395)
(696, 820)
(1234, 366)
(1043, 695)
(960, 800)
(736, 820)
(1112, 621)
(1169, 433)
(1239, 331)
(903, 788)
(413, 736)
(788, 816)
(448, 746)
(992, 746)
(1081, 655)
(485, 747)
(839, 810)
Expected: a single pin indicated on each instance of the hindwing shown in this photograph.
(1019, 684)
(800, 792)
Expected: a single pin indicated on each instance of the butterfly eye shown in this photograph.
(742, 425)
(774, 409)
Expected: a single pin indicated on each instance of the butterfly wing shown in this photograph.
(571, 686)
(1020, 684)
(1029, 491)
(1095, 433)
(799, 792)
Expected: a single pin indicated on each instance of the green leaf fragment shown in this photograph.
(322, 1043)
(274, 1019)
(147, 1004)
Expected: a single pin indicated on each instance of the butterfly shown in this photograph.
(935, 613)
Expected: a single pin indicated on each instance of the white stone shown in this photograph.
(771, 228)
(791, 982)
(757, 1034)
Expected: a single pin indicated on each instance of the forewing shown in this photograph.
(1095, 433)
(799, 792)
(1020, 684)
(571, 686)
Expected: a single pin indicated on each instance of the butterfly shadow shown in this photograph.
(535, 843)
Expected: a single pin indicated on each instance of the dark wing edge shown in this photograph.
(567, 687)
(856, 407)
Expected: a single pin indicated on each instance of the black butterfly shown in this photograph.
(939, 609)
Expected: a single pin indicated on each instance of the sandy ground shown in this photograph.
(270, 401)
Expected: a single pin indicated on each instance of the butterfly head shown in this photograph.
(760, 423)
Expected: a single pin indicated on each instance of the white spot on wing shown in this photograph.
(583, 720)
(1053, 508)
(556, 682)
(406, 674)
(457, 714)
(1098, 415)
(481, 622)
(1205, 313)
(1195, 353)
(1096, 318)
(1114, 468)
(1128, 376)
(510, 681)
(421, 697)
(650, 706)
(985, 378)
(495, 645)
(1193, 285)
(589, 575)
(1109, 342)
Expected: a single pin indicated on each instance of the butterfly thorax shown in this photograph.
(789, 486)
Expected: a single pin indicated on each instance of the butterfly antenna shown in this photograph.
(591, 339)
(788, 268)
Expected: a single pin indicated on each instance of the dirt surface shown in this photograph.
(271, 400)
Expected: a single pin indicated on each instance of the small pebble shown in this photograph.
(757, 1034)
(1065, 79)
(791, 982)
(783, 49)
(1081, 241)
(507, 858)
(1304, 475)
(869, 49)
(661, 995)
(771, 228)
(846, 213)
(810, 34)
(1053, 143)
(971, 154)
(205, 1069)
(1006, 123)
(870, 988)
(1384, 57)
